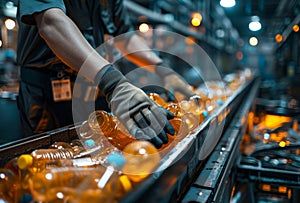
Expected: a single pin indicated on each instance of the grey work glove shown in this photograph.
(173, 82)
(144, 119)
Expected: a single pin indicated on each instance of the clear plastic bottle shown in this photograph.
(35, 161)
(106, 124)
(142, 158)
(98, 151)
(197, 108)
(76, 146)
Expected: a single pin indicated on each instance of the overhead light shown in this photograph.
(296, 28)
(278, 38)
(254, 25)
(227, 3)
(196, 19)
(10, 24)
(144, 27)
(253, 41)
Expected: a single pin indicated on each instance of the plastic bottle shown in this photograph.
(106, 124)
(109, 187)
(142, 158)
(29, 163)
(60, 184)
(197, 108)
(39, 160)
(98, 151)
(191, 120)
(5, 181)
(79, 185)
(10, 189)
(157, 99)
(75, 145)
(113, 182)
(181, 130)
(35, 161)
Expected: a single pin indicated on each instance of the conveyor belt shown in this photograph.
(178, 168)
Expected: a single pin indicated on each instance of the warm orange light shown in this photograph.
(190, 40)
(266, 187)
(282, 189)
(278, 38)
(196, 19)
(296, 28)
(274, 121)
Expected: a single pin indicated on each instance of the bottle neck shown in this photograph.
(106, 123)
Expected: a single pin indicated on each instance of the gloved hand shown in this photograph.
(173, 82)
(144, 119)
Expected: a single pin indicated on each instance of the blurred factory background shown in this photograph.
(259, 34)
(262, 35)
(224, 31)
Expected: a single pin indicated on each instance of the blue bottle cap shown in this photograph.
(205, 113)
(89, 143)
(115, 159)
(220, 102)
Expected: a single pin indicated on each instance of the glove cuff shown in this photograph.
(108, 78)
(162, 69)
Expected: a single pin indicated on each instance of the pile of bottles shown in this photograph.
(68, 173)
(105, 162)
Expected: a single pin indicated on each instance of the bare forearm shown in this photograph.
(65, 40)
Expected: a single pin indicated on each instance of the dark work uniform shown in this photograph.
(39, 112)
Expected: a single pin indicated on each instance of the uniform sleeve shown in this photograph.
(29, 7)
(121, 19)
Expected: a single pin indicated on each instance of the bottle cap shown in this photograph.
(115, 159)
(126, 183)
(220, 102)
(89, 143)
(25, 161)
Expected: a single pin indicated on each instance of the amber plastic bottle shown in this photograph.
(76, 184)
(188, 118)
(5, 180)
(157, 99)
(181, 130)
(10, 189)
(106, 124)
(60, 184)
(142, 158)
